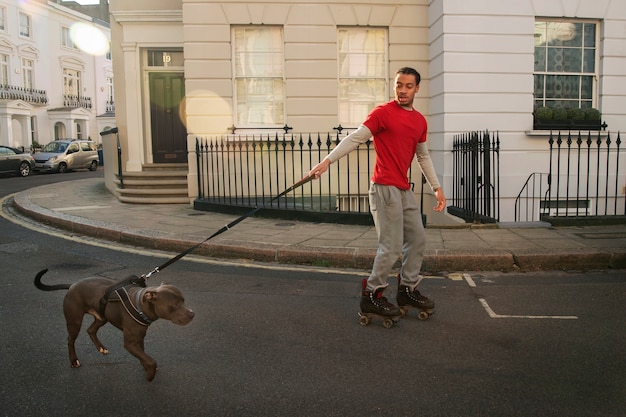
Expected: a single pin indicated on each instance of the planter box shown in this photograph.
(567, 125)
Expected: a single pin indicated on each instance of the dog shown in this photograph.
(128, 304)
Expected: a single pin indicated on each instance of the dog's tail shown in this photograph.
(44, 287)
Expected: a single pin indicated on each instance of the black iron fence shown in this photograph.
(476, 177)
(239, 172)
(586, 178)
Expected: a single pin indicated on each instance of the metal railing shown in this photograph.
(76, 101)
(11, 92)
(246, 171)
(476, 177)
(586, 179)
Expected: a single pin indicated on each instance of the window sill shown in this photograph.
(574, 132)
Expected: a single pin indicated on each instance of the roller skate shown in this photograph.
(411, 298)
(373, 304)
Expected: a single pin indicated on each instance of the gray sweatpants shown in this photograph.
(400, 231)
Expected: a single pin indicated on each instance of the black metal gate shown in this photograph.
(476, 173)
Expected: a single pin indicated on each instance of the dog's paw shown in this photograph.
(103, 350)
(151, 373)
(75, 364)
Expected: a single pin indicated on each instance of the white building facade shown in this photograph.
(50, 88)
(485, 64)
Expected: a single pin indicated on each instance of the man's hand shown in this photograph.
(441, 200)
(320, 168)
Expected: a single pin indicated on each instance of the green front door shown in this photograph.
(169, 134)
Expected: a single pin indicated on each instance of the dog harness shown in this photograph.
(119, 292)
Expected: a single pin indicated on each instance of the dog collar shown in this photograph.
(134, 309)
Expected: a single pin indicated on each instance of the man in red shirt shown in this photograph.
(399, 133)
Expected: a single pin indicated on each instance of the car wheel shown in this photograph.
(62, 168)
(24, 170)
(93, 166)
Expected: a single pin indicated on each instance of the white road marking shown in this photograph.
(469, 280)
(493, 314)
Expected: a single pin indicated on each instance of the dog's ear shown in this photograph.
(150, 296)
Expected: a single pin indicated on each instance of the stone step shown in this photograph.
(154, 200)
(179, 192)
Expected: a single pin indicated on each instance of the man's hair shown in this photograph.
(410, 71)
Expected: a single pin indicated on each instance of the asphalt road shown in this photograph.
(284, 341)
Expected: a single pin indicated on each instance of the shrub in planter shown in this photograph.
(593, 115)
(575, 114)
(559, 113)
(543, 113)
(560, 118)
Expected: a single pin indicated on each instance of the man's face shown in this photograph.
(406, 88)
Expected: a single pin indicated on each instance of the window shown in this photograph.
(33, 129)
(66, 39)
(3, 18)
(25, 25)
(27, 73)
(4, 69)
(566, 69)
(258, 76)
(363, 77)
(71, 82)
(168, 58)
(109, 87)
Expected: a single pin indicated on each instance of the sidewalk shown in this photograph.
(86, 207)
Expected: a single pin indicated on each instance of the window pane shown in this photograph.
(260, 101)
(362, 53)
(358, 97)
(539, 83)
(540, 58)
(586, 90)
(258, 52)
(163, 58)
(564, 60)
(589, 60)
(562, 86)
(564, 34)
(590, 35)
(540, 33)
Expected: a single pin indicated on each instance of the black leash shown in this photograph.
(227, 227)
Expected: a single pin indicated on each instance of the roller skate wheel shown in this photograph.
(423, 315)
(388, 323)
(363, 320)
(404, 311)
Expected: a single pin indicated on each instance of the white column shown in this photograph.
(6, 130)
(26, 132)
(133, 144)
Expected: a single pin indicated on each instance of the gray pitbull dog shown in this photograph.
(128, 304)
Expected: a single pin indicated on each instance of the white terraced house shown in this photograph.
(224, 71)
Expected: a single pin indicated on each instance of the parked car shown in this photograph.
(15, 161)
(63, 155)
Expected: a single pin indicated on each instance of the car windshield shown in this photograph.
(55, 147)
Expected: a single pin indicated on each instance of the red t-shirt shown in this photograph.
(396, 134)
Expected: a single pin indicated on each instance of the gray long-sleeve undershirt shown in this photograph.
(363, 134)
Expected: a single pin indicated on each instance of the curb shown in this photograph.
(435, 261)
